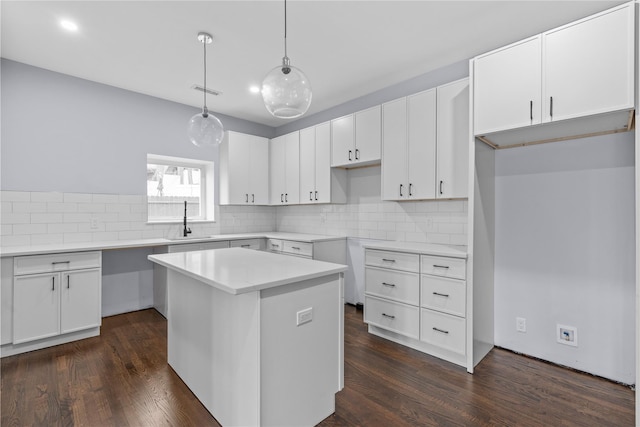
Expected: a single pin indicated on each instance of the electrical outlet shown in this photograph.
(93, 223)
(521, 324)
(304, 316)
(567, 335)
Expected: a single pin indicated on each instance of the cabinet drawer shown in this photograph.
(395, 260)
(445, 267)
(400, 318)
(443, 330)
(297, 248)
(394, 285)
(274, 245)
(199, 246)
(56, 262)
(257, 244)
(445, 295)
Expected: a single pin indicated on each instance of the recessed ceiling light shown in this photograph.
(69, 25)
(254, 89)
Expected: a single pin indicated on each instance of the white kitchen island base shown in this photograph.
(266, 357)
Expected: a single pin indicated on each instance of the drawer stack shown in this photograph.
(417, 300)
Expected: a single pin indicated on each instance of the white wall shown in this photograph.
(565, 252)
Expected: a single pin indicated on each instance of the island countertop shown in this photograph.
(239, 270)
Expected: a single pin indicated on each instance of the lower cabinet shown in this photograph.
(418, 300)
(56, 295)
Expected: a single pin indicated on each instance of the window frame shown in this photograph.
(207, 208)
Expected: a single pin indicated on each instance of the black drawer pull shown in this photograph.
(391, 285)
(68, 276)
(440, 266)
(441, 331)
(295, 247)
(245, 246)
(388, 315)
(60, 262)
(53, 283)
(441, 295)
(388, 260)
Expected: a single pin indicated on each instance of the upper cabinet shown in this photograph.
(425, 151)
(319, 183)
(284, 169)
(576, 80)
(356, 139)
(244, 169)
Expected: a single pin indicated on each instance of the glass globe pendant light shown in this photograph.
(286, 91)
(204, 129)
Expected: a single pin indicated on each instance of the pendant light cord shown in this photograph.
(204, 44)
(285, 28)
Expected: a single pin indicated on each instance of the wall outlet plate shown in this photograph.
(304, 316)
(567, 335)
(521, 324)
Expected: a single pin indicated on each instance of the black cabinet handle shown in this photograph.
(391, 285)
(400, 190)
(551, 106)
(388, 315)
(246, 197)
(60, 262)
(253, 198)
(410, 187)
(442, 331)
(281, 198)
(68, 276)
(440, 266)
(388, 260)
(286, 197)
(316, 195)
(311, 196)
(357, 154)
(441, 295)
(53, 283)
(441, 186)
(350, 155)
(530, 110)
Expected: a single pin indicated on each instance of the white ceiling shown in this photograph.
(347, 48)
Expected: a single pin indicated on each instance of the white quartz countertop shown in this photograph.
(140, 243)
(238, 270)
(421, 248)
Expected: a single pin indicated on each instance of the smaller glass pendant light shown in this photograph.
(286, 91)
(204, 129)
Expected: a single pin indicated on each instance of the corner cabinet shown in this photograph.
(425, 150)
(284, 169)
(244, 169)
(56, 295)
(356, 138)
(319, 183)
(580, 70)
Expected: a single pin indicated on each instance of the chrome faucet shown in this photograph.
(184, 222)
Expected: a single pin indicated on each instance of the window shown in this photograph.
(172, 181)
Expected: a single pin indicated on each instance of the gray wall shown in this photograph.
(62, 133)
(565, 252)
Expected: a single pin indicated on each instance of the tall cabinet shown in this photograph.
(319, 183)
(244, 169)
(284, 169)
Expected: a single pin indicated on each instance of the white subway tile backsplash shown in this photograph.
(19, 229)
(37, 196)
(105, 198)
(20, 207)
(92, 207)
(77, 198)
(62, 207)
(15, 196)
(13, 240)
(77, 237)
(62, 228)
(46, 239)
(46, 218)
(16, 218)
(6, 229)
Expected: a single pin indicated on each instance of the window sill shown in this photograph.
(180, 221)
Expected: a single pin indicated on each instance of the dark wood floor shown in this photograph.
(122, 379)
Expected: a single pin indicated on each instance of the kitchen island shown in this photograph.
(256, 336)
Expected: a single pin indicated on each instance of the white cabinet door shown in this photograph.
(368, 137)
(80, 306)
(394, 150)
(258, 171)
(277, 170)
(238, 148)
(36, 307)
(453, 140)
(421, 141)
(588, 66)
(342, 141)
(308, 164)
(292, 168)
(328, 189)
(508, 87)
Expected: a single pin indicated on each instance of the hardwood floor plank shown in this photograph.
(122, 379)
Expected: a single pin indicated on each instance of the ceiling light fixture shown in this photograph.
(69, 25)
(286, 91)
(204, 129)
